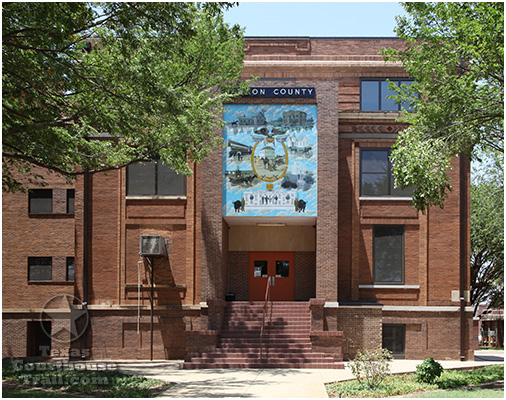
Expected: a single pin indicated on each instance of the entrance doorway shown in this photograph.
(275, 267)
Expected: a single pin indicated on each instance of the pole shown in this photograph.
(152, 304)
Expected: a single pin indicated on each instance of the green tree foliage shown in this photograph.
(487, 233)
(145, 79)
(455, 53)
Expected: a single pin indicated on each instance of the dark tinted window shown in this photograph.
(282, 269)
(154, 179)
(40, 268)
(71, 195)
(388, 254)
(394, 339)
(374, 95)
(376, 174)
(40, 201)
(70, 269)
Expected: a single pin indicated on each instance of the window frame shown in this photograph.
(157, 164)
(71, 194)
(390, 183)
(67, 264)
(398, 81)
(397, 355)
(403, 256)
(29, 264)
(31, 193)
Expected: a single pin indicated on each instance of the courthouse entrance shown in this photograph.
(274, 267)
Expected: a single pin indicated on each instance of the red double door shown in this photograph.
(274, 267)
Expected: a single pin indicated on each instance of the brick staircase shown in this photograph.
(286, 341)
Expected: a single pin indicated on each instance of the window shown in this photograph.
(70, 275)
(394, 339)
(154, 179)
(40, 201)
(374, 95)
(388, 254)
(71, 196)
(376, 174)
(40, 268)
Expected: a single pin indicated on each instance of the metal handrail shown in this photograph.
(267, 298)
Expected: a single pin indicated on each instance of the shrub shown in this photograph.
(428, 371)
(371, 367)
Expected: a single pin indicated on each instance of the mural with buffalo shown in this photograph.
(270, 160)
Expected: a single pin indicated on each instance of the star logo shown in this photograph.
(68, 316)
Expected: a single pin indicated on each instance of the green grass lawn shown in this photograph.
(34, 380)
(402, 385)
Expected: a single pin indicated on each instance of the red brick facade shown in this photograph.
(336, 271)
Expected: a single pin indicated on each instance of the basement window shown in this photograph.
(394, 339)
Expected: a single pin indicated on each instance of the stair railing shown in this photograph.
(267, 299)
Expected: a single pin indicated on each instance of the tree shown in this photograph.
(455, 54)
(487, 234)
(149, 78)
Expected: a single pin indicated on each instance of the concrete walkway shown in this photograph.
(269, 383)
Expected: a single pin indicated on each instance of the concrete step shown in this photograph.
(255, 365)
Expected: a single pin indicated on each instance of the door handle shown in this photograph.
(273, 280)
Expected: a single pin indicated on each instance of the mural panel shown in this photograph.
(270, 160)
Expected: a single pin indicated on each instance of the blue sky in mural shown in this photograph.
(316, 18)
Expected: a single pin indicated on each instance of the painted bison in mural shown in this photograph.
(300, 205)
(238, 205)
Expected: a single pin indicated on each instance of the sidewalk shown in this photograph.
(269, 383)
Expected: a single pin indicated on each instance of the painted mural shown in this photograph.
(270, 160)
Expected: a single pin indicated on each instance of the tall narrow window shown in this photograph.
(40, 201)
(71, 195)
(388, 254)
(154, 179)
(394, 339)
(70, 269)
(40, 268)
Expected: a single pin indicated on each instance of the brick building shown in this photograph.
(349, 263)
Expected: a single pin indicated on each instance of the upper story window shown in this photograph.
(376, 174)
(40, 201)
(70, 270)
(71, 196)
(154, 179)
(40, 268)
(374, 95)
(388, 254)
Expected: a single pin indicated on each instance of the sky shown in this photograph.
(315, 19)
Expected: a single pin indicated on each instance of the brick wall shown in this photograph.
(305, 275)
(434, 334)
(361, 327)
(113, 335)
(238, 265)
(35, 235)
